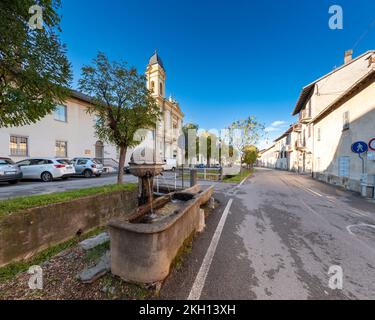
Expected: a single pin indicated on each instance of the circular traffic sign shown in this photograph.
(359, 147)
(371, 144)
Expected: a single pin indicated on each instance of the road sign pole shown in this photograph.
(363, 162)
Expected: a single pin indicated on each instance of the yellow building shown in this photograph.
(170, 126)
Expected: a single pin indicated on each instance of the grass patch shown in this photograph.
(239, 177)
(21, 203)
(116, 288)
(12, 269)
(183, 252)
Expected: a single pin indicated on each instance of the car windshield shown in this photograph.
(6, 161)
(63, 161)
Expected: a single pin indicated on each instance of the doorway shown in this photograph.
(99, 150)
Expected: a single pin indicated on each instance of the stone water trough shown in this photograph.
(142, 250)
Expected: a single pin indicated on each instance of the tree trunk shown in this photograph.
(121, 164)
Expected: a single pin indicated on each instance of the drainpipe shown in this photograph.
(364, 182)
(313, 149)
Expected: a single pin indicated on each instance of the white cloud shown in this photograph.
(276, 126)
(278, 123)
(271, 129)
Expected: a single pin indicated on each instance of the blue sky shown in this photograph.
(224, 60)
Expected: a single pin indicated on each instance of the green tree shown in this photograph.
(121, 102)
(34, 71)
(250, 155)
(244, 133)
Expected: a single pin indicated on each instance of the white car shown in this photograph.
(170, 164)
(46, 169)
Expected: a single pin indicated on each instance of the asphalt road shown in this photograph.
(280, 235)
(27, 188)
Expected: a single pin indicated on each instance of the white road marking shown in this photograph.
(349, 228)
(314, 192)
(241, 183)
(361, 213)
(196, 290)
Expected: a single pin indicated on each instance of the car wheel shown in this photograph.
(46, 177)
(173, 169)
(13, 182)
(87, 173)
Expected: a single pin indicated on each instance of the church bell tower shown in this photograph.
(156, 77)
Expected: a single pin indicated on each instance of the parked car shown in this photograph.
(170, 164)
(46, 169)
(200, 166)
(9, 171)
(127, 169)
(87, 167)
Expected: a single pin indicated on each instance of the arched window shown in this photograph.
(152, 86)
(161, 89)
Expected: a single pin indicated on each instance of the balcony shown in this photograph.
(300, 145)
(305, 116)
(288, 148)
(297, 127)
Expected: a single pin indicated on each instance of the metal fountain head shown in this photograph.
(145, 165)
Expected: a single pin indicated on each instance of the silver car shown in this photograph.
(46, 169)
(9, 171)
(87, 167)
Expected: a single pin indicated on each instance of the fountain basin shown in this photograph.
(143, 252)
(142, 170)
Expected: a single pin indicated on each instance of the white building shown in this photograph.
(69, 131)
(267, 158)
(317, 96)
(348, 119)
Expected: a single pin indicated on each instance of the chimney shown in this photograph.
(371, 60)
(348, 56)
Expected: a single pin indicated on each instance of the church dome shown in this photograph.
(155, 59)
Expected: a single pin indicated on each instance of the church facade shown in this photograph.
(169, 129)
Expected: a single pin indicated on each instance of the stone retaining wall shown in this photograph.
(27, 232)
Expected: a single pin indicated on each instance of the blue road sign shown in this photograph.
(359, 147)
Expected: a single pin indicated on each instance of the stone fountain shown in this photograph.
(145, 165)
(145, 243)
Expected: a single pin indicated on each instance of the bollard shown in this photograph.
(211, 203)
(193, 177)
(202, 223)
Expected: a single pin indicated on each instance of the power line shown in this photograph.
(364, 34)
